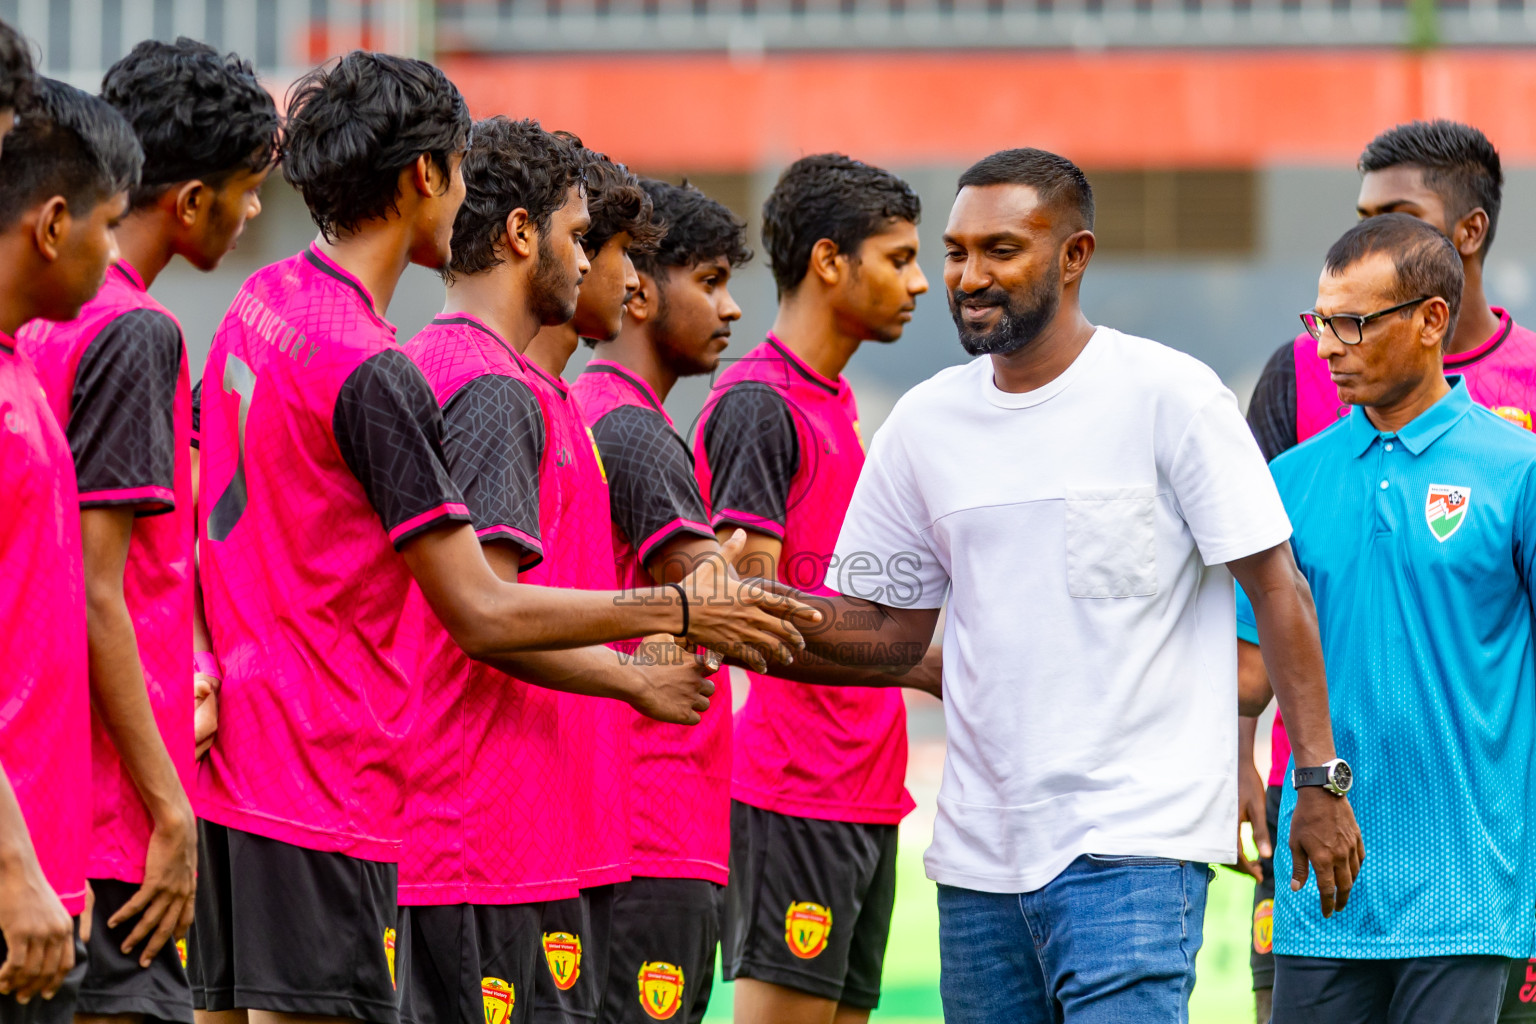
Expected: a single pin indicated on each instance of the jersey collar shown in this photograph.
(1420, 432)
(557, 383)
(466, 320)
(1461, 359)
(800, 366)
(129, 274)
(641, 386)
(329, 267)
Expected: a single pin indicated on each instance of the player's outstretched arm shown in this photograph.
(163, 903)
(39, 935)
(491, 619)
(1324, 833)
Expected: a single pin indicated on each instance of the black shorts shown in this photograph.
(576, 937)
(661, 965)
(1432, 989)
(1520, 993)
(464, 963)
(292, 930)
(115, 983)
(58, 1010)
(809, 904)
(1261, 945)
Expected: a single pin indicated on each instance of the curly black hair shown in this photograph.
(66, 143)
(698, 228)
(354, 125)
(615, 202)
(1459, 163)
(830, 196)
(16, 71)
(197, 114)
(510, 165)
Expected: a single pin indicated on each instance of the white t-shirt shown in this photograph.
(1090, 667)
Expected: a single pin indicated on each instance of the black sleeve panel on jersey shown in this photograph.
(122, 420)
(753, 454)
(1272, 410)
(652, 492)
(494, 442)
(197, 414)
(390, 432)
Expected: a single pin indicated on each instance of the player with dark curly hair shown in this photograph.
(813, 841)
(16, 76)
(64, 178)
(476, 910)
(118, 374)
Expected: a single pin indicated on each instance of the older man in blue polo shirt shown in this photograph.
(1415, 524)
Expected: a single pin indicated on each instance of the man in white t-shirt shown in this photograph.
(1079, 496)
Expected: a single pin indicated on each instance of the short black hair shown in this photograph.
(830, 196)
(615, 202)
(66, 143)
(1426, 261)
(698, 228)
(354, 125)
(1460, 165)
(1059, 181)
(16, 71)
(509, 165)
(197, 114)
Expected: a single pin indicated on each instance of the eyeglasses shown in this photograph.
(1350, 327)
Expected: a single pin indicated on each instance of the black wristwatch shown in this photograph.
(1335, 776)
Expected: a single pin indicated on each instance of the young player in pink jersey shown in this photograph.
(818, 777)
(64, 176)
(117, 380)
(326, 495)
(666, 918)
(1449, 176)
(474, 903)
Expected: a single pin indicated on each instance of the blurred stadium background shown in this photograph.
(1220, 136)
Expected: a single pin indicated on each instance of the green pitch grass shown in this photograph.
(911, 983)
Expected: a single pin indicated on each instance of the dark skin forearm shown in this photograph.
(1324, 836)
(39, 935)
(860, 643)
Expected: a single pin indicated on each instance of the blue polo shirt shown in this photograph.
(1420, 548)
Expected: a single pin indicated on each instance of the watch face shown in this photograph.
(1341, 776)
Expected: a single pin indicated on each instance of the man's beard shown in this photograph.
(551, 290)
(1022, 319)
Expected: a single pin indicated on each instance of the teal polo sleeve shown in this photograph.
(1247, 626)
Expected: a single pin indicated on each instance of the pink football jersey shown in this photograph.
(778, 451)
(680, 813)
(486, 820)
(578, 553)
(321, 455)
(116, 377)
(45, 746)
(1499, 374)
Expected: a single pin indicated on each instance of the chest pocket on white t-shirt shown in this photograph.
(1111, 541)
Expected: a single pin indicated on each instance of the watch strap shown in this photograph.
(1309, 776)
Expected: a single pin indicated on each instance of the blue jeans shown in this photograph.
(1110, 940)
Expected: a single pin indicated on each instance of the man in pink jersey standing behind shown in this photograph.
(666, 919)
(326, 495)
(64, 177)
(117, 379)
(492, 839)
(1449, 176)
(819, 772)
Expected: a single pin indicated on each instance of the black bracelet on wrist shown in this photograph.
(682, 595)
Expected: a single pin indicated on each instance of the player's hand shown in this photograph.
(741, 618)
(39, 934)
(1250, 808)
(675, 685)
(163, 904)
(1325, 835)
(205, 721)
